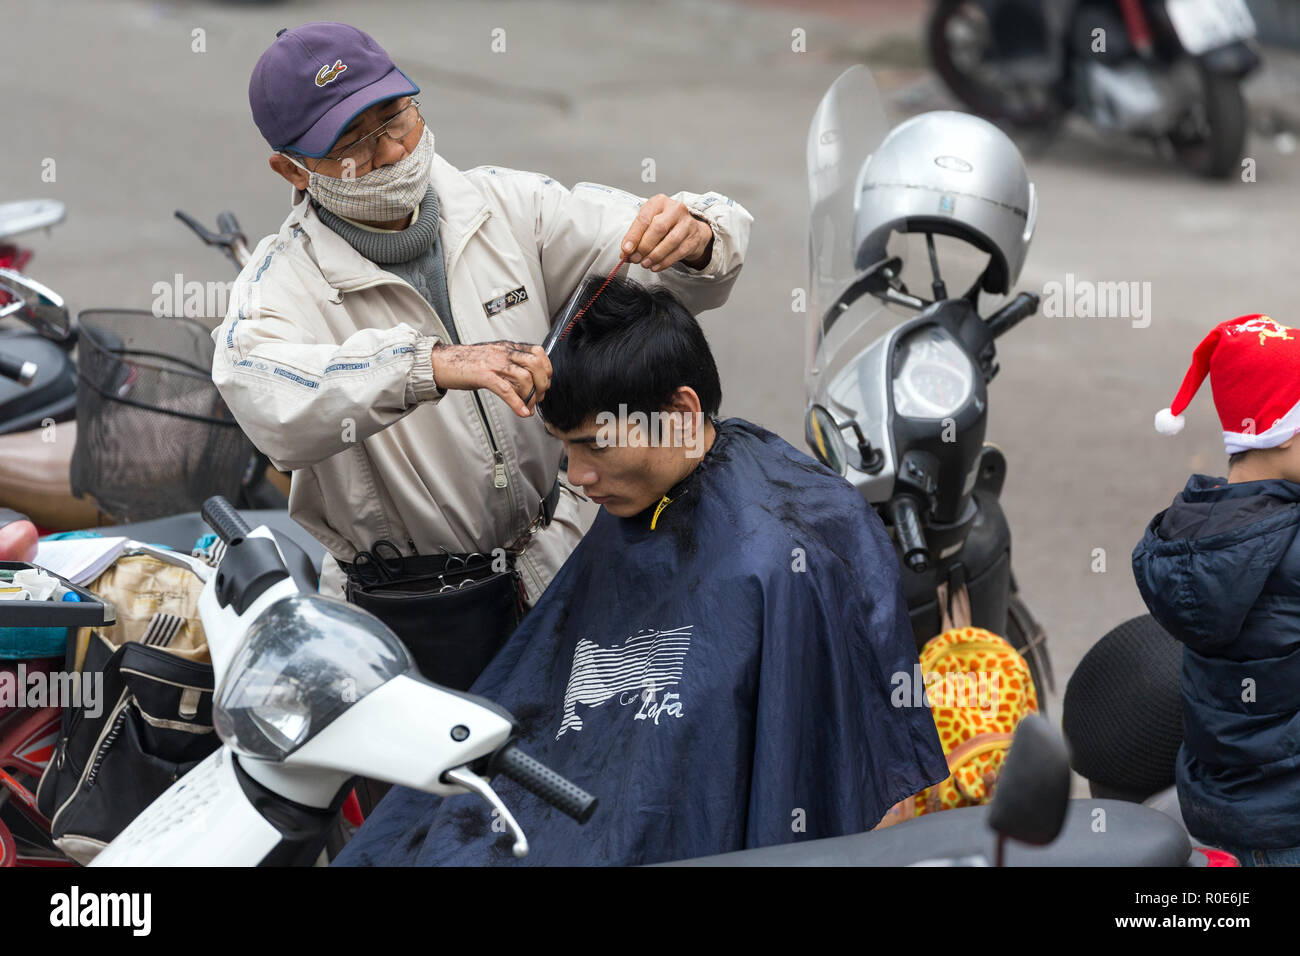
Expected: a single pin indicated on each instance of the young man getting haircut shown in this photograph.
(714, 660)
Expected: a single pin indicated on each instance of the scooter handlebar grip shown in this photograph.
(544, 782)
(1016, 311)
(20, 371)
(223, 518)
(911, 537)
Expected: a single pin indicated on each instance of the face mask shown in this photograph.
(389, 192)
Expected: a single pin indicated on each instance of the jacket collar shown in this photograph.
(460, 211)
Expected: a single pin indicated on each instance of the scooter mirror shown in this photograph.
(822, 433)
(1033, 789)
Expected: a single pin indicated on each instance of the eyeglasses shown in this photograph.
(397, 127)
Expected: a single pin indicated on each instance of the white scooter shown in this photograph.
(311, 693)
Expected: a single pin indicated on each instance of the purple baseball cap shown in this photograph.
(316, 79)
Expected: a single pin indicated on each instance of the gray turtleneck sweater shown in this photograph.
(413, 254)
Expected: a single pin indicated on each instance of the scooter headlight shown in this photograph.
(933, 379)
(305, 661)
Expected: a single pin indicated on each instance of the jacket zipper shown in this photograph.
(499, 469)
(500, 478)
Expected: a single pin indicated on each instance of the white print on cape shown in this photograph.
(647, 662)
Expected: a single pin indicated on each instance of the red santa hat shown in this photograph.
(1254, 368)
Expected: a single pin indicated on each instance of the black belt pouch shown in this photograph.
(452, 632)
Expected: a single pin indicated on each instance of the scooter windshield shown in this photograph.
(853, 303)
(847, 127)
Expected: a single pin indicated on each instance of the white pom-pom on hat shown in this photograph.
(1167, 423)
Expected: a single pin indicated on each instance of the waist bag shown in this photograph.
(979, 689)
(452, 611)
(146, 718)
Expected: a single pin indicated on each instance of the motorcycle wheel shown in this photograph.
(1028, 637)
(1212, 138)
(960, 37)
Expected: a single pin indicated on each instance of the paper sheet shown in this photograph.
(80, 560)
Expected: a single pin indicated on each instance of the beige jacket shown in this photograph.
(324, 358)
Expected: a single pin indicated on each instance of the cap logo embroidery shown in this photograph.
(328, 74)
(1265, 326)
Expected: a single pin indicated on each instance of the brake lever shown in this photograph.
(476, 784)
(232, 244)
(202, 231)
(37, 305)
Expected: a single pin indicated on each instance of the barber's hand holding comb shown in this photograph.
(520, 373)
(663, 233)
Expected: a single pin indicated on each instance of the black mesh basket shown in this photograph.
(154, 437)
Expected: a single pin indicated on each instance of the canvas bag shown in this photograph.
(151, 722)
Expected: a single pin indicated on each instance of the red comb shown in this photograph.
(574, 321)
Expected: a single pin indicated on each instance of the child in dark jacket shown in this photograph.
(1220, 570)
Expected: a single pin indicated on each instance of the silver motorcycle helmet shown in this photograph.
(951, 174)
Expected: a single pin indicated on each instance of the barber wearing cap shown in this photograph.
(376, 346)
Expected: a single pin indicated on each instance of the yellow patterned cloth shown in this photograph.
(979, 688)
(984, 692)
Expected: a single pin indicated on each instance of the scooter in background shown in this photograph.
(36, 361)
(1169, 71)
(311, 693)
(39, 389)
(38, 380)
(896, 382)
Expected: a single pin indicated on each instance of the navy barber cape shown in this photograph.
(720, 682)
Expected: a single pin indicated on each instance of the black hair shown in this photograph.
(633, 346)
(1236, 458)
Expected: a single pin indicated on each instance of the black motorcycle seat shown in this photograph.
(181, 531)
(1133, 835)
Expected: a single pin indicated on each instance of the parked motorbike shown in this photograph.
(1030, 822)
(36, 361)
(903, 376)
(38, 379)
(29, 735)
(1169, 71)
(39, 394)
(311, 693)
